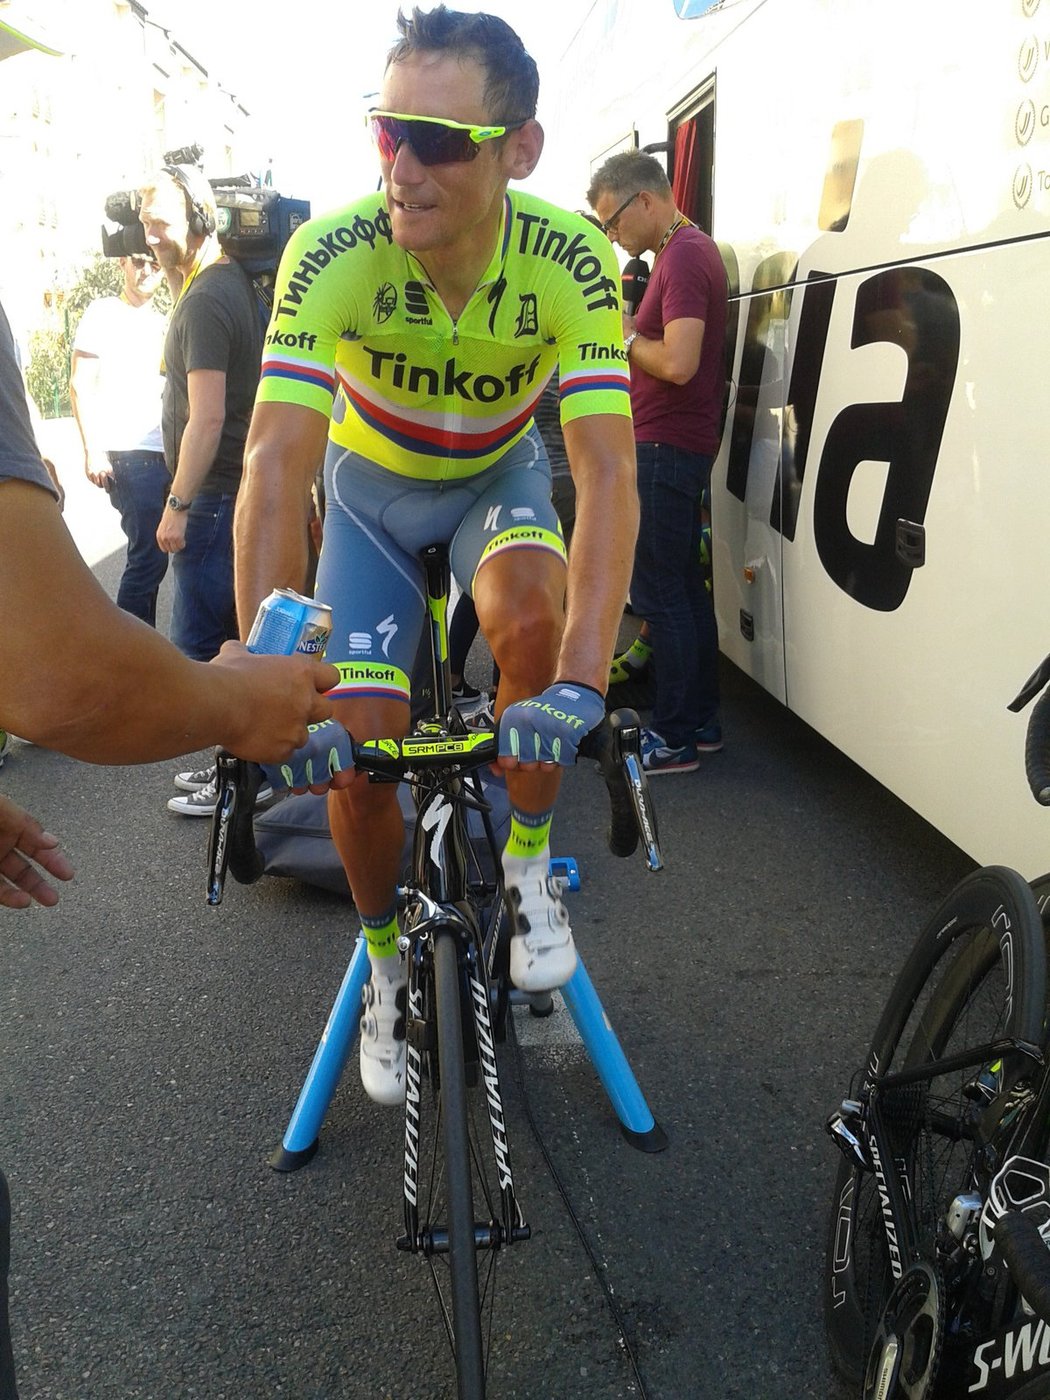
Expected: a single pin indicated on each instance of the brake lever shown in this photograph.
(1032, 686)
(616, 745)
(232, 846)
(627, 750)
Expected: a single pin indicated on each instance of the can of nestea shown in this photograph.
(287, 623)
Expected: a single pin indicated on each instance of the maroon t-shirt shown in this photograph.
(689, 280)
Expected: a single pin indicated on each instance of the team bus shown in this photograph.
(876, 174)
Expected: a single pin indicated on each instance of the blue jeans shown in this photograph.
(203, 614)
(667, 589)
(138, 489)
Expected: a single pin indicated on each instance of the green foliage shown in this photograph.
(51, 351)
(47, 374)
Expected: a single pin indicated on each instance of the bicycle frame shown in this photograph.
(437, 903)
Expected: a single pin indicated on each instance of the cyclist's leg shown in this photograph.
(509, 553)
(374, 589)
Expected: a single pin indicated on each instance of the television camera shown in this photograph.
(253, 222)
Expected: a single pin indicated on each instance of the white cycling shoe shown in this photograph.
(542, 951)
(382, 1036)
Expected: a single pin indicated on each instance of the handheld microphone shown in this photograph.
(633, 281)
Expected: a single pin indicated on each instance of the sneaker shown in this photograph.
(383, 1038)
(196, 779)
(5, 745)
(465, 691)
(658, 757)
(203, 802)
(542, 951)
(709, 737)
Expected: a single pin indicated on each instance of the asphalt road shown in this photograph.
(151, 1050)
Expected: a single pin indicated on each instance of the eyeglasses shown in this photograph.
(139, 263)
(611, 223)
(434, 140)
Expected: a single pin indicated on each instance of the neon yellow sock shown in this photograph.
(529, 833)
(626, 666)
(381, 934)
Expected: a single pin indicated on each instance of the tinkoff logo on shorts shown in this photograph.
(372, 676)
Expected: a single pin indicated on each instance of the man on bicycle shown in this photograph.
(435, 312)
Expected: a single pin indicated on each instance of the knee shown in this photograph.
(526, 636)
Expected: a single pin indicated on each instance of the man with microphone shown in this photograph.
(675, 340)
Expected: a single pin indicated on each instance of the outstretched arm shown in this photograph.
(79, 675)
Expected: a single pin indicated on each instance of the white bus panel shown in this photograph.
(877, 175)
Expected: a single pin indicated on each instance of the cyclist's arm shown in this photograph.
(286, 444)
(600, 449)
(79, 675)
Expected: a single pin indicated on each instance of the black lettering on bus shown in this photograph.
(806, 368)
(913, 308)
(770, 298)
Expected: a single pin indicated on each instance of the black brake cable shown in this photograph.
(596, 1267)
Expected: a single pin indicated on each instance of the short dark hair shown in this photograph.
(512, 81)
(627, 173)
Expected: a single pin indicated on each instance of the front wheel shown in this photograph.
(976, 974)
(463, 1264)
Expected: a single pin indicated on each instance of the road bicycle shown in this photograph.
(937, 1275)
(460, 1200)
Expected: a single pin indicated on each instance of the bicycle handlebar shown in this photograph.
(615, 744)
(1037, 739)
(1028, 1259)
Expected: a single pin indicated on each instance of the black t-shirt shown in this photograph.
(215, 325)
(19, 456)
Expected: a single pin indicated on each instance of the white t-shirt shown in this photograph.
(128, 342)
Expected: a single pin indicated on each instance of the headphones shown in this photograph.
(200, 215)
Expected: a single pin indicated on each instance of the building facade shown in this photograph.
(73, 129)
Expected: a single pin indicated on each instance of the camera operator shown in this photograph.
(212, 355)
(115, 389)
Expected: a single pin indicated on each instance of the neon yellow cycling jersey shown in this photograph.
(356, 316)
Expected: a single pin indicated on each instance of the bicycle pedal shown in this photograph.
(421, 1035)
(565, 868)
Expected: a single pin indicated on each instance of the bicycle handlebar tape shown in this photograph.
(1037, 750)
(1028, 1259)
(232, 844)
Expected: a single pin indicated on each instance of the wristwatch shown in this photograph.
(629, 342)
(177, 503)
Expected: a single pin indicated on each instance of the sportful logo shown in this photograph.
(417, 307)
(359, 641)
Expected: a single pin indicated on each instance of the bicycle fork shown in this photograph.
(511, 1228)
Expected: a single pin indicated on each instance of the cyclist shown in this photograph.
(435, 311)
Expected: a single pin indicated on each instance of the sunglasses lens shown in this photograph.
(432, 143)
